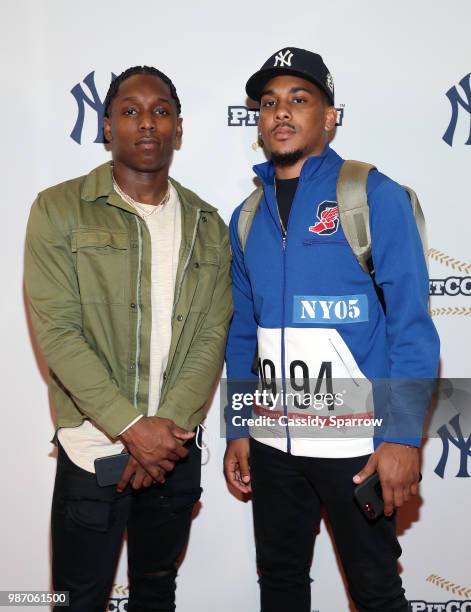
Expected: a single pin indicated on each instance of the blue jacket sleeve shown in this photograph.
(242, 340)
(413, 343)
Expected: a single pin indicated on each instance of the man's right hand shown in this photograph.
(237, 464)
(154, 442)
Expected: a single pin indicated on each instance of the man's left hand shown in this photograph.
(141, 477)
(398, 470)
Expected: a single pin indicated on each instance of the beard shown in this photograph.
(287, 159)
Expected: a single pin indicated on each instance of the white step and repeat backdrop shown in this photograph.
(402, 76)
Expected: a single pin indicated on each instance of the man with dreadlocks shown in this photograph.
(127, 276)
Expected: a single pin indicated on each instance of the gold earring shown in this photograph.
(259, 143)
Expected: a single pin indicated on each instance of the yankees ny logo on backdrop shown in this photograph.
(457, 101)
(95, 103)
(461, 443)
(283, 58)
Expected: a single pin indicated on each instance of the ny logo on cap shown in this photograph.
(330, 82)
(283, 58)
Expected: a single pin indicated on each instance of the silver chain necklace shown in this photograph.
(139, 206)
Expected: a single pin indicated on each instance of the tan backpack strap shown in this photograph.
(419, 219)
(353, 209)
(247, 214)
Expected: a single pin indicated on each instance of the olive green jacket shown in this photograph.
(88, 275)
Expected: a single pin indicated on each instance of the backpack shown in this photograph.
(353, 212)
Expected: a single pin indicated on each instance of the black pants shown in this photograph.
(288, 493)
(88, 524)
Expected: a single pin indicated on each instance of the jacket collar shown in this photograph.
(99, 183)
(312, 168)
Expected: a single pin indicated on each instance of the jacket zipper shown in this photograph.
(284, 235)
(283, 369)
(139, 312)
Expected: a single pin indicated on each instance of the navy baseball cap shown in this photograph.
(291, 60)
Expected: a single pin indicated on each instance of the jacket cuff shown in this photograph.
(401, 428)
(138, 418)
(416, 442)
(117, 416)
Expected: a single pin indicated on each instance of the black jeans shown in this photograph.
(88, 524)
(288, 493)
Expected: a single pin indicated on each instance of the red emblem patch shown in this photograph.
(328, 219)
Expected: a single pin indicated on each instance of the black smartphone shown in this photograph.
(369, 496)
(109, 469)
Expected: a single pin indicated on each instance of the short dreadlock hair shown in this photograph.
(114, 87)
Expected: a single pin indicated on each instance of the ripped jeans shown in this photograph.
(88, 524)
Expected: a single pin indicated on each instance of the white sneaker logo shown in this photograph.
(283, 58)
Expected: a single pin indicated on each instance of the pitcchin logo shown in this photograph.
(238, 116)
(118, 601)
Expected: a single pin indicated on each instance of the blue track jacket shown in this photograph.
(306, 309)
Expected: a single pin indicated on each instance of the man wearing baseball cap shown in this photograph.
(304, 309)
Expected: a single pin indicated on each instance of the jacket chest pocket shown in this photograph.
(102, 265)
(205, 269)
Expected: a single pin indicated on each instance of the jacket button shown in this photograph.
(132, 365)
(133, 305)
(179, 317)
(196, 265)
(204, 219)
(165, 376)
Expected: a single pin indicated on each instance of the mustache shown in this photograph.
(283, 125)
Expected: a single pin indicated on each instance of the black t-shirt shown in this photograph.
(285, 190)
